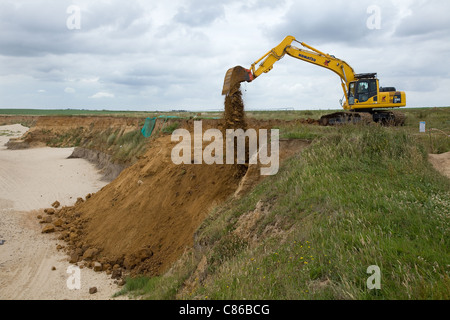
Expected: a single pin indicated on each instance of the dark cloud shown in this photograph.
(34, 28)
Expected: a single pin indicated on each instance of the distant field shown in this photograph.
(263, 115)
(80, 112)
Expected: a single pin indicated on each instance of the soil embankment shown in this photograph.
(101, 160)
(146, 217)
(60, 130)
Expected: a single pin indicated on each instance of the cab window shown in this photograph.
(351, 93)
(366, 89)
(363, 91)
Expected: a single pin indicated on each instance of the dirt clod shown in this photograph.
(50, 211)
(97, 267)
(48, 229)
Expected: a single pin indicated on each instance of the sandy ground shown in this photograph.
(30, 180)
(441, 162)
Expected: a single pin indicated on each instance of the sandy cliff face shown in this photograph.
(146, 217)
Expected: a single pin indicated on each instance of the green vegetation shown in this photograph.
(125, 147)
(170, 128)
(106, 113)
(8, 133)
(358, 196)
(289, 115)
(302, 131)
(71, 112)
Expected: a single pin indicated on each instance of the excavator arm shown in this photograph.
(361, 91)
(308, 54)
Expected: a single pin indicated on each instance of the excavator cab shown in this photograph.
(362, 90)
(366, 93)
(234, 76)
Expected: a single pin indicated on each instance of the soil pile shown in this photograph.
(145, 219)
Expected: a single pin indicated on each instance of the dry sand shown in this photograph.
(441, 163)
(30, 266)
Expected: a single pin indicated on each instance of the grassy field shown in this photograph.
(360, 196)
(106, 113)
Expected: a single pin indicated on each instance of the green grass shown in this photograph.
(124, 147)
(170, 128)
(109, 113)
(8, 133)
(301, 131)
(437, 138)
(288, 115)
(359, 196)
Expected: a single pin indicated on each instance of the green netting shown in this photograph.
(149, 125)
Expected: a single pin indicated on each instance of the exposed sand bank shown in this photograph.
(29, 180)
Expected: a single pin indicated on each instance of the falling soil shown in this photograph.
(234, 116)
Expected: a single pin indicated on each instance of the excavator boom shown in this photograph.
(361, 91)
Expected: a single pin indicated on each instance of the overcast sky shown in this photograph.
(164, 55)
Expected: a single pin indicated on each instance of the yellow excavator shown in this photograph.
(364, 98)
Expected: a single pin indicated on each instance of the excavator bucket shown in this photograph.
(234, 76)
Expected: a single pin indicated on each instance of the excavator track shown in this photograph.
(387, 118)
(341, 118)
